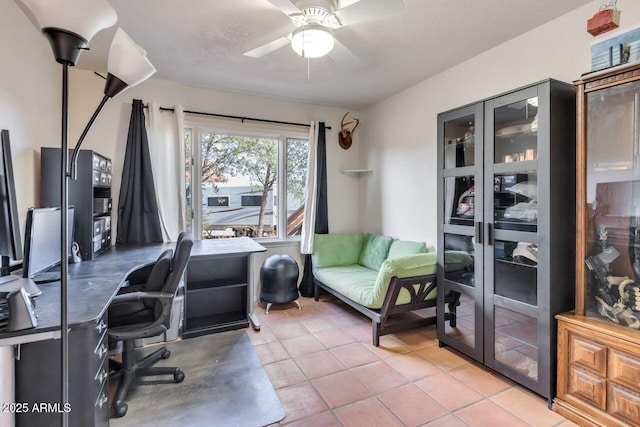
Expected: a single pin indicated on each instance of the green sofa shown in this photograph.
(380, 277)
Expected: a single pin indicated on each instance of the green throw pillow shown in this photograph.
(375, 251)
(332, 250)
(400, 248)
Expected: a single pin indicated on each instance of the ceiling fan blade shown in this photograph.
(268, 47)
(285, 6)
(367, 9)
(342, 55)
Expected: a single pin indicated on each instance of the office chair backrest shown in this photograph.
(178, 264)
(158, 275)
(181, 236)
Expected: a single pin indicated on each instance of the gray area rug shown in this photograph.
(224, 385)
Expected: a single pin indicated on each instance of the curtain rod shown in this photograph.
(242, 119)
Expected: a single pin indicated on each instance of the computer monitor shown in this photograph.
(42, 241)
(10, 243)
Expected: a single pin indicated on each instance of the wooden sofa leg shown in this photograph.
(452, 315)
(454, 302)
(376, 333)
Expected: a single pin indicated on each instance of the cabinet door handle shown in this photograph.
(103, 375)
(100, 326)
(478, 232)
(103, 399)
(101, 351)
(489, 234)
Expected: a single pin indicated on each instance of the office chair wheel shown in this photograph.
(166, 354)
(178, 376)
(120, 409)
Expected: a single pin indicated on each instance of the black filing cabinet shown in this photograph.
(90, 195)
(38, 379)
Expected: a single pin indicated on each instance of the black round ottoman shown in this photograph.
(279, 281)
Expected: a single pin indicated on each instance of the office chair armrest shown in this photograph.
(135, 296)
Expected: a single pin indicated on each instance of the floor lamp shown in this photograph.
(69, 25)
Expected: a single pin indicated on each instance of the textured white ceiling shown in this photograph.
(201, 43)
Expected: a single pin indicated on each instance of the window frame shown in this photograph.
(281, 133)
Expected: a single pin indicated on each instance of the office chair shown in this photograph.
(144, 310)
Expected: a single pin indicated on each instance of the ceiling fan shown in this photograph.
(314, 21)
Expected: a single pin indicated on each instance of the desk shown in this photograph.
(91, 287)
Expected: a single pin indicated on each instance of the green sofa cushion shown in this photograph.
(400, 248)
(353, 281)
(374, 251)
(331, 250)
(407, 266)
(368, 287)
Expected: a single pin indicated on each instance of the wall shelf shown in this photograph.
(357, 172)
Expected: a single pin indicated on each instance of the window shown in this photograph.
(213, 201)
(238, 176)
(251, 200)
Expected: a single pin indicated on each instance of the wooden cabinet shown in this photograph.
(90, 195)
(598, 373)
(505, 230)
(599, 343)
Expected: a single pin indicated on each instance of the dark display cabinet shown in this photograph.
(506, 227)
(90, 195)
(599, 342)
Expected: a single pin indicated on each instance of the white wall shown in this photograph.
(30, 110)
(30, 82)
(109, 133)
(399, 134)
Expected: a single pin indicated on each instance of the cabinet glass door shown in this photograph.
(511, 283)
(515, 274)
(516, 131)
(516, 341)
(515, 200)
(612, 252)
(460, 216)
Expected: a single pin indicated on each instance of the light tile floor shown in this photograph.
(327, 373)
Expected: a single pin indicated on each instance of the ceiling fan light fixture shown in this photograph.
(312, 41)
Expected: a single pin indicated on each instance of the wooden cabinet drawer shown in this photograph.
(624, 368)
(624, 404)
(587, 353)
(588, 386)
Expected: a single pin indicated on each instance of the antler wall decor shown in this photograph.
(346, 131)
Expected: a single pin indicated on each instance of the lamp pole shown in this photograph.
(64, 243)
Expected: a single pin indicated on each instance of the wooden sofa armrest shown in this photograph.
(418, 288)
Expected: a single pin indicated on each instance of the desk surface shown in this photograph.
(92, 284)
